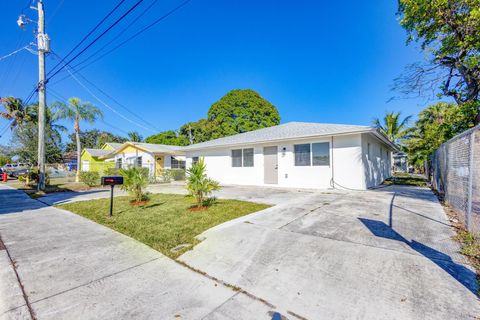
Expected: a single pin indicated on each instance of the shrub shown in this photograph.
(135, 180)
(166, 176)
(198, 184)
(112, 172)
(90, 178)
(178, 174)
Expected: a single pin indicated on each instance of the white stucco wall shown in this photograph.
(345, 164)
(377, 164)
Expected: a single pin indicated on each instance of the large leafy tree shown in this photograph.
(435, 125)
(241, 111)
(395, 128)
(169, 137)
(25, 137)
(92, 139)
(14, 111)
(134, 136)
(448, 31)
(200, 131)
(77, 111)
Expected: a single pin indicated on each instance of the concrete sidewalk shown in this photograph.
(73, 268)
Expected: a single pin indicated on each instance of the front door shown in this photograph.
(159, 163)
(270, 164)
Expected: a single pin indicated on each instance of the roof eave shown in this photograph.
(366, 130)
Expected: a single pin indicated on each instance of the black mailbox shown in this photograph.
(112, 180)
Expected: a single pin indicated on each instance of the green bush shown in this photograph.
(166, 176)
(90, 178)
(112, 172)
(199, 185)
(135, 180)
(178, 174)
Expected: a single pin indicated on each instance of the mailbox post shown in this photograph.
(112, 181)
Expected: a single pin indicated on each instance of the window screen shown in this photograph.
(139, 161)
(237, 158)
(194, 160)
(178, 164)
(302, 154)
(248, 157)
(321, 154)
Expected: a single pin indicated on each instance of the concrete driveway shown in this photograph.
(255, 194)
(384, 254)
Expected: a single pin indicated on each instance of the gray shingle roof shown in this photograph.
(115, 145)
(98, 152)
(153, 147)
(290, 130)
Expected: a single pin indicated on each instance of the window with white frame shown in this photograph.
(118, 163)
(321, 154)
(139, 162)
(177, 163)
(194, 160)
(314, 154)
(242, 157)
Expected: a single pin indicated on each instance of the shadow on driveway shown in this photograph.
(459, 272)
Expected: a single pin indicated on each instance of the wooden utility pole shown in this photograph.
(43, 46)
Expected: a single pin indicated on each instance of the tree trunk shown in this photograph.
(79, 149)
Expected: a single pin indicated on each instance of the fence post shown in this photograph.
(470, 182)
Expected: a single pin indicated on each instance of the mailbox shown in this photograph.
(112, 180)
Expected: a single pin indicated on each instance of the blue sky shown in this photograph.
(318, 61)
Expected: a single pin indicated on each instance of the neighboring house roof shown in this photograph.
(114, 145)
(97, 152)
(151, 147)
(287, 131)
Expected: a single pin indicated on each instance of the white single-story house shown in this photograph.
(300, 155)
(155, 157)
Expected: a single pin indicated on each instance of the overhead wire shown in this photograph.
(65, 100)
(145, 28)
(88, 34)
(96, 39)
(107, 105)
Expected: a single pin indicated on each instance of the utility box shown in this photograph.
(112, 180)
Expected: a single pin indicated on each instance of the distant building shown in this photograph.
(400, 162)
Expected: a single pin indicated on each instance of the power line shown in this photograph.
(14, 52)
(69, 69)
(107, 105)
(89, 33)
(120, 33)
(97, 38)
(64, 100)
(129, 39)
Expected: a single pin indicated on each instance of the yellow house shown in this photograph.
(155, 157)
(91, 159)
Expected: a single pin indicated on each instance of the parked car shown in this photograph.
(18, 172)
(71, 165)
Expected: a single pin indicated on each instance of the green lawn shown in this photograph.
(406, 179)
(165, 221)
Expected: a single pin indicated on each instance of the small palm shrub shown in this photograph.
(198, 184)
(135, 180)
(90, 178)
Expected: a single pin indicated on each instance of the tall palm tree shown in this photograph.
(14, 110)
(134, 136)
(76, 110)
(392, 127)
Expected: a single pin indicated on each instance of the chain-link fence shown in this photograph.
(454, 171)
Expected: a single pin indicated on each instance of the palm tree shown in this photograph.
(392, 127)
(134, 136)
(14, 110)
(77, 111)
